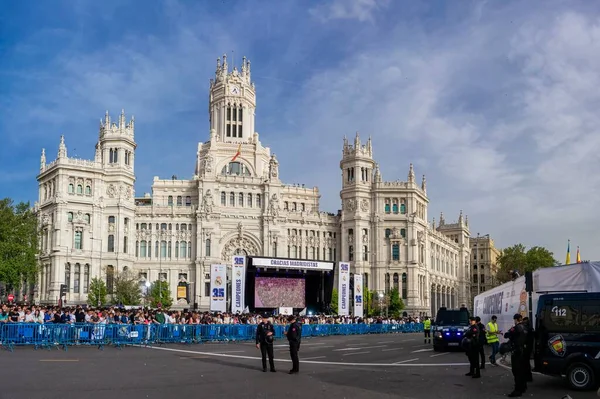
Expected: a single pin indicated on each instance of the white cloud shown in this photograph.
(361, 10)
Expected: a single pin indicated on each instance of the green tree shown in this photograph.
(97, 292)
(127, 289)
(395, 303)
(159, 293)
(370, 305)
(522, 260)
(18, 244)
(334, 301)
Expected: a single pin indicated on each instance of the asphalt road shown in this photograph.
(372, 366)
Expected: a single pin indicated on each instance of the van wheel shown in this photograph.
(580, 376)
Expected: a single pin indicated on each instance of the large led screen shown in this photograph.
(276, 292)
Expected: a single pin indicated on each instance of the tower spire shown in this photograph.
(460, 217)
(411, 174)
(225, 67)
(424, 185)
(43, 160)
(122, 120)
(62, 148)
(442, 221)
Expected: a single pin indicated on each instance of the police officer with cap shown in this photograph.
(471, 346)
(265, 335)
(294, 336)
(517, 336)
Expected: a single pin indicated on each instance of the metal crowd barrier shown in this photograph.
(51, 335)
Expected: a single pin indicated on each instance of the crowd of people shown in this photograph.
(120, 315)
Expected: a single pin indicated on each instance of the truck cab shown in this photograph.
(449, 328)
(568, 338)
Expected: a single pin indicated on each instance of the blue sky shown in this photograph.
(496, 102)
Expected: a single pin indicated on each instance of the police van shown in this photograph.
(568, 338)
(449, 328)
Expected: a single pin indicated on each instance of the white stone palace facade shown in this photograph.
(93, 225)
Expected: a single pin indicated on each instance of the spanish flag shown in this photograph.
(578, 256)
(568, 253)
(237, 154)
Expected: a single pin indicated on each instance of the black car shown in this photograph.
(449, 328)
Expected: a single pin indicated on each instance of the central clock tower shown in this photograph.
(232, 102)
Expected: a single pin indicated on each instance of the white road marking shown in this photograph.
(407, 361)
(440, 354)
(355, 353)
(398, 364)
(232, 351)
(358, 348)
(392, 349)
(386, 342)
(422, 350)
(311, 358)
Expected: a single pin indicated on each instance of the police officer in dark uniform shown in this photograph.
(518, 338)
(529, 342)
(294, 336)
(265, 334)
(471, 347)
(482, 341)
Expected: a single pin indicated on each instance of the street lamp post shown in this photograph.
(381, 303)
(479, 263)
(66, 262)
(147, 284)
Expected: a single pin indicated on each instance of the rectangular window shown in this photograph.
(228, 130)
(228, 113)
(163, 249)
(365, 253)
(143, 249)
(86, 278)
(387, 208)
(350, 253)
(403, 209)
(78, 240)
(396, 252)
(207, 289)
(207, 249)
(403, 233)
(190, 249)
(111, 243)
(77, 277)
(395, 208)
(124, 245)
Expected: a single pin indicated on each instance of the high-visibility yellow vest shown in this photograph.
(491, 337)
(427, 324)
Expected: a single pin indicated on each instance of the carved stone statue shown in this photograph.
(273, 167)
(364, 205)
(111, 191)
(274, 206)
(208, 164)
(208, 202)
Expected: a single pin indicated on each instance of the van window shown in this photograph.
(562, 317)
(452, 318)
(590, 317)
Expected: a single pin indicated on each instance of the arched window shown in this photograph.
(71, 188)
(143, 249)
(258, 201)
(403, 233)
(86, 278)
(70, 216)
(235, 169)
(163, 226)
(88, 190)
(111, 219)
(403, 208)
(223, 198)
(179, 200)
(77, 278)
(250, 200)
(387, 282)
(68, 276)
(388, 233)
(163, 249)
(387, 206)
(79, 189)
(241, 199)
(183, 227)
(231, 199)
(78, 239)
(177, 249)
(190, 249)
(125, 244)
(188, 201)
(404, 286)
(207, 249)
(394, 207)
(110, 279)
(350, 253)
(183, 252)
(170, 200)
(396, 281)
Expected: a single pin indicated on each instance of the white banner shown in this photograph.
(343, 288)
(239, 283)
(358, 295)
(218, 288)
(292, 264)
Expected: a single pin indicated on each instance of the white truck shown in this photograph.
(510, 298)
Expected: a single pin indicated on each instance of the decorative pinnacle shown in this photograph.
(411, 173)
(43, 159)
(62, 148)
(424, 184)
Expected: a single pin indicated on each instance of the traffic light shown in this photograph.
(63, 290)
